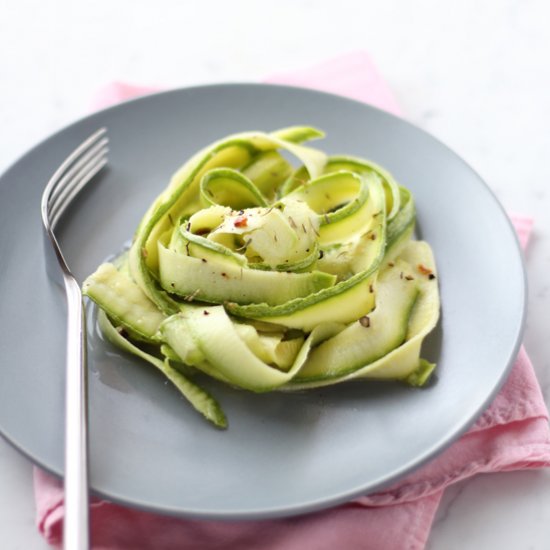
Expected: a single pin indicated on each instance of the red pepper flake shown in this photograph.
(424, 270)
(365, 321)
(241, 221)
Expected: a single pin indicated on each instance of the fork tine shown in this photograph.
(79, 180)
(65, 179)
(54, 182)
(73, 183)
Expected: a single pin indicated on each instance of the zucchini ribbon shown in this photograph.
(267, 277)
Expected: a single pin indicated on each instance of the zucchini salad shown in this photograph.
(269, 277)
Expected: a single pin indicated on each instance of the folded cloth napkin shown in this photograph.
(512, 434)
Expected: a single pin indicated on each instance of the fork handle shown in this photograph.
(76, 534)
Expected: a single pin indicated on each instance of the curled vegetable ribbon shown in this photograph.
(268, 277)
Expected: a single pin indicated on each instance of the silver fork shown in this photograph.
(75, 172)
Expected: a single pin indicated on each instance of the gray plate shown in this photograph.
(283, 454)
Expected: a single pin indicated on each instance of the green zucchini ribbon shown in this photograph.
(267, 276)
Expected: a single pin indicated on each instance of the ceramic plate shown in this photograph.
(283, 454)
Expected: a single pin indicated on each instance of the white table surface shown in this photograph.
(475, 73)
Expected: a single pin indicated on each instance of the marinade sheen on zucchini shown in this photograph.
(270, 277)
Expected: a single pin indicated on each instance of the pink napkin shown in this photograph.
(512, 434)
